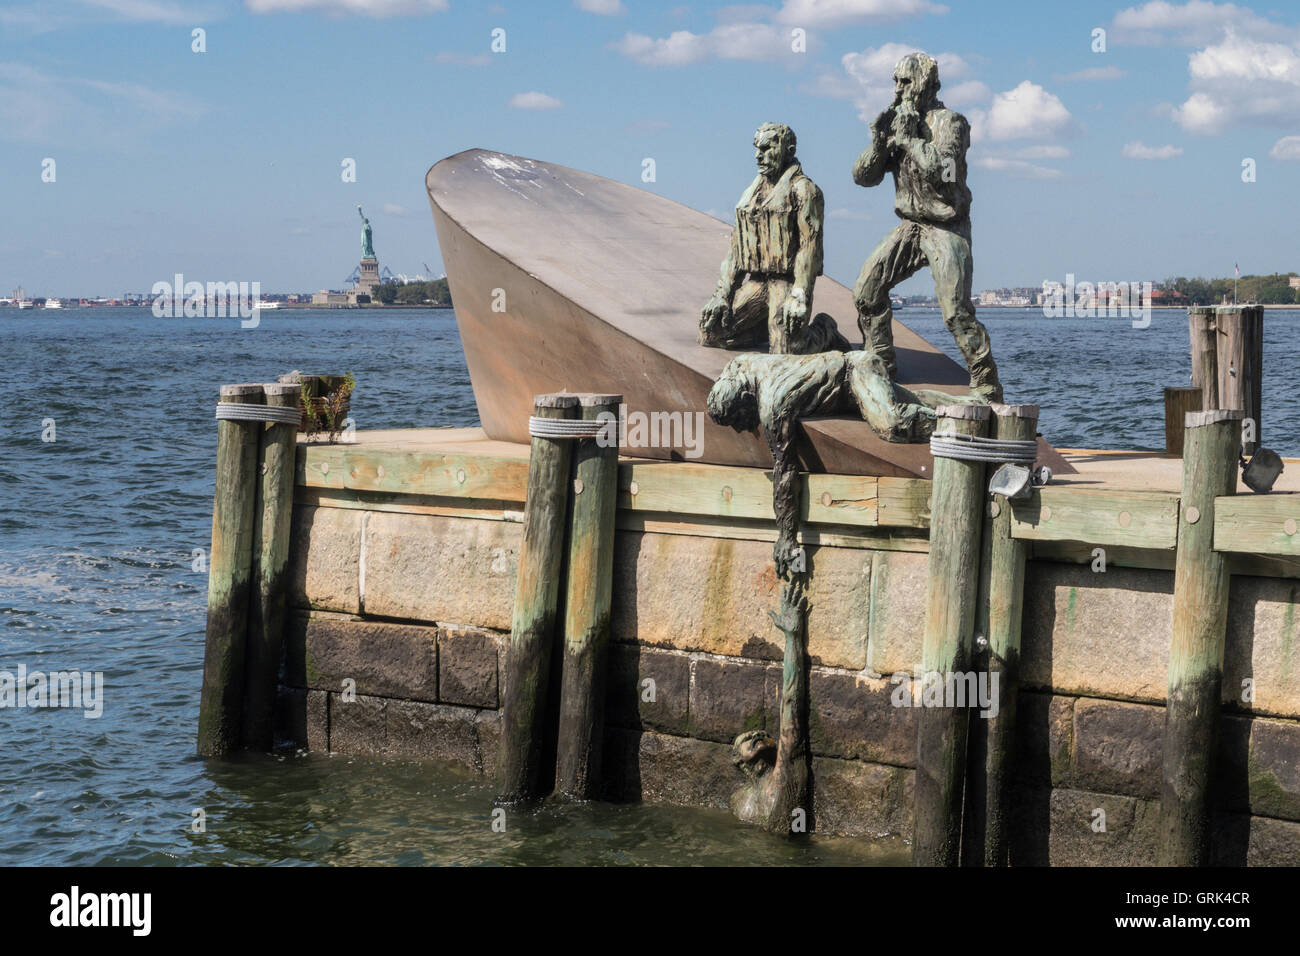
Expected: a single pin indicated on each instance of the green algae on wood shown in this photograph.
(537, 597)
(1211, 449)
(229, 576)
(956, 524)
(273, 517)
(590, 584)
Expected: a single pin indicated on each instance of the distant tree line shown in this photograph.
(1268, 290)
(434, 292)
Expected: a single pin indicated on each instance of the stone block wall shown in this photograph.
(396, 647)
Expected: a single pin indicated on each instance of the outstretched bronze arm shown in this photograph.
(785, 494)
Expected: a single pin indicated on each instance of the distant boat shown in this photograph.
(25, 303)
(53, 304)
(266, 305)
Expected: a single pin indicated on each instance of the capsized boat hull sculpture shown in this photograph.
(566, 280)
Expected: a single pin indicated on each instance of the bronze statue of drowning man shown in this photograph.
(923, 144)
(765, 291)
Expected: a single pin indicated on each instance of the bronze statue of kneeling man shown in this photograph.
(765, 292)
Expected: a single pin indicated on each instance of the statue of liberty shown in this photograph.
(367, 237)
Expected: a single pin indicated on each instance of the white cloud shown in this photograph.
(965, 94)
(42, 16)
(1241, 81)
(1288, 147)
(149, 11)
(727, 41)
(393, 209)
(36, 107)
(852, 215)
(1139, 150)
(366, 8)
(819, 13)
(1092, 74)
(1026, 112)
(868, 79)
(534, 100)
(1017, 168)
(604, 8)
(1190, 24)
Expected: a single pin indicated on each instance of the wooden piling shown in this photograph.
(590, 583)
(1241, 364)
(1203, 332)
(537, 594)
(956, 521)
(986, 833)
(273, 517)
(1210, 455)
(1178, 402)
(229, 576)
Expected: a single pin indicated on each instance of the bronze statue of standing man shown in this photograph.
(923, 143)
(764, 294)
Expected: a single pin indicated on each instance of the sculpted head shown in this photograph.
(733, 401)
(754, 753)
(916, 81)
(773, 149)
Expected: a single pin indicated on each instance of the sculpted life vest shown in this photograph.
(766, 236)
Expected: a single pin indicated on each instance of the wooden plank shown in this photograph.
(832, 536)
(904, 502)
(410, 504)
(1132, 519)
(725, 491)
(1258, 524)
(370, 468)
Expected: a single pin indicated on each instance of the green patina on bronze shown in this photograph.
(367, 236)
(777, 772)
(765, 291)
(775, 391)
(923, 144)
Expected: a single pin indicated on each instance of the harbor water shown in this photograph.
(107, 508)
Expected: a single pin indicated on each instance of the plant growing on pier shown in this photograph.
(325, 402)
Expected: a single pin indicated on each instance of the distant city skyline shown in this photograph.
(216, 138)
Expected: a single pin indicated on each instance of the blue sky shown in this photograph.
(225, 165)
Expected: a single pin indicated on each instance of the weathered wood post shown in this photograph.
(590, 583)
(1241, 365)
(537, 595)
(987, 830)
(956, 520)
(229, 575)
(273, 517)
(1210, 454)
(1178, 402)
(1204, 332)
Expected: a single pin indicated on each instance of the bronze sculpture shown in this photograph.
(923, 144)
(765, 291)
(367, 237)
